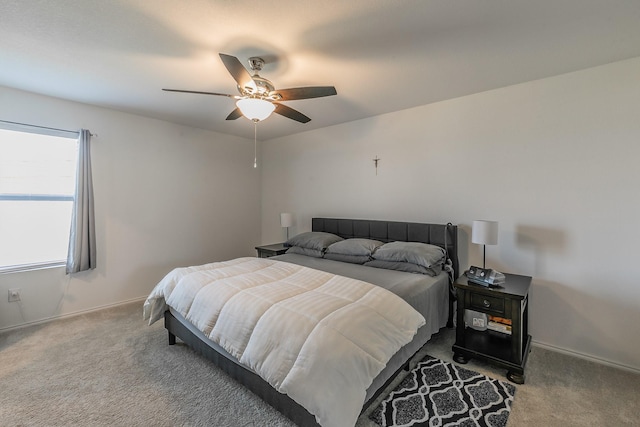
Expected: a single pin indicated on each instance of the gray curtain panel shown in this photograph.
(82, 240)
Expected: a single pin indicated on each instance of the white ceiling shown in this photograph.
(381, 55)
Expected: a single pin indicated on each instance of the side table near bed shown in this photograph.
(509, 301)
(267, 251)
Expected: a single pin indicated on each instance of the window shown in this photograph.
(37, 185)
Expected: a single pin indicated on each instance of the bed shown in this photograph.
(429, 295)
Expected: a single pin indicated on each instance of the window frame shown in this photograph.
(47, 131)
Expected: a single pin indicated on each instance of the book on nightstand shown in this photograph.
(499, 324)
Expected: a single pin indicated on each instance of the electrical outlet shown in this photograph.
(14, 295)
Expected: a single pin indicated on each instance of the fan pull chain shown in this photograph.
(255, 144)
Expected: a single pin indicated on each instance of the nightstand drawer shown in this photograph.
(487, 303)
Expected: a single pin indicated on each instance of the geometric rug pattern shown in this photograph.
(440, 394)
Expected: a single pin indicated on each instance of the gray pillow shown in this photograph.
(313, 240)
(413, 252)
(353, 259)
(305, 251)
(405, 266)
(361, 247)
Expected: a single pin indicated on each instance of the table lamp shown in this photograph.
(484, 233)
(286, 221)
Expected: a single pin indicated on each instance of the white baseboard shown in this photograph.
(72, 314)
(585, 356)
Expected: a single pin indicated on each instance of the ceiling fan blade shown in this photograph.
(235, 114)
(304, 92)
(237, 71)
(201, 93)
(290, 113)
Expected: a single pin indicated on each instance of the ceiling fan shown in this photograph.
(258, 96)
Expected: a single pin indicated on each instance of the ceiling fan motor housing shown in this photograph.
(263, 86)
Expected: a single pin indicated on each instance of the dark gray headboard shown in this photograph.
(443, 235)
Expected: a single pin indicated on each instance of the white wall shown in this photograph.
(165, 196)
(555, 161)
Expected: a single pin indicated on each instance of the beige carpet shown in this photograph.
(110, 368)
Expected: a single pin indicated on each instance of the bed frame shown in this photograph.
(444, 235)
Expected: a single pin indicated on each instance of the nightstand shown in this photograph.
(509, 301)
(267, 251)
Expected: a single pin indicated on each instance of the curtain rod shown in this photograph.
(44, 127)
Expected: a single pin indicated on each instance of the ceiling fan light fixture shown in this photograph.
(255, 109)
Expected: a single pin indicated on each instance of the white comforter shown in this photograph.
(318, 337)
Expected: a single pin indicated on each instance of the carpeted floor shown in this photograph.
(110, 368)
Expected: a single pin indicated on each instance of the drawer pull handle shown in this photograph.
(486, 303)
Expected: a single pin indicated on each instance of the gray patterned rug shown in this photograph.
(437, 393)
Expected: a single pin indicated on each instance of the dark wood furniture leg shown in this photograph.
(452, 299)
(459, 357)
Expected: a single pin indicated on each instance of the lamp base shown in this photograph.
(484, 256)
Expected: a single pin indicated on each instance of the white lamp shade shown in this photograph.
(286, 220)
(484, 232)
(255, 108)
